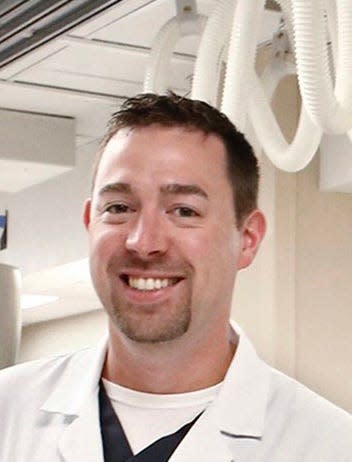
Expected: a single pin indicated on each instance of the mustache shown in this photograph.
(157, 264)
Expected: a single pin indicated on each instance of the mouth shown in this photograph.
(149, 284)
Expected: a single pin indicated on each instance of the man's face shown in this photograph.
(164, 246)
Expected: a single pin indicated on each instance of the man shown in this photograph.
(173, 216)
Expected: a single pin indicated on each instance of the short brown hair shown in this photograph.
(172, 110)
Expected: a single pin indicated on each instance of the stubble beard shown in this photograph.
(150, 326)
(157, 323)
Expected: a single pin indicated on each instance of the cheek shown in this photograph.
(210, 251)
(195, 245)
(104, 244)
(221, 253)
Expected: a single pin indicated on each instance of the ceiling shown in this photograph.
(85, 73)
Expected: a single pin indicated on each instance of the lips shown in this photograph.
(148, 284)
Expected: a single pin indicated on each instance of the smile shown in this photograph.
(149, 284)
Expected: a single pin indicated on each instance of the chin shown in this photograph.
(148, 331)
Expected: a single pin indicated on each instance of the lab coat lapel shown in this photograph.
(203, 442)
(240, 409)
(232, 427)
(81, 439)
(74, 405)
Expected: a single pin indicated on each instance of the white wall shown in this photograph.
(62, 335)
(324, 289)
(45, 225)
(296, 302)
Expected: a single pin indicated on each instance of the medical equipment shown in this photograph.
(318, 48)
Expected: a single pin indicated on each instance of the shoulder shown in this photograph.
(37, 397)
(300, 400)
(33, 381)
(31, 369)
(308, 418)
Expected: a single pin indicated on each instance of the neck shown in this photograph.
(178, 366)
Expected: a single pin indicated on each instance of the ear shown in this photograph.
(86, 213)
(252, 232)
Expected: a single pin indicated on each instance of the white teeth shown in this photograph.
(149, 283)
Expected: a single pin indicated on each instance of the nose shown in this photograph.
(147, 236)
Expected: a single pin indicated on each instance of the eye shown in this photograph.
(117, 208)
(185, 212)
(116, 212)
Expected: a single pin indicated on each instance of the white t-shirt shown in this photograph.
(146, 417)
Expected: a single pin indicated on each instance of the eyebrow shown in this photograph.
(169, 189)
(124, 188)
(183, 189)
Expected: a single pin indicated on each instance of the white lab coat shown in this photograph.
(49, 412)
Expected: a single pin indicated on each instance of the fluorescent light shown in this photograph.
(32, 300)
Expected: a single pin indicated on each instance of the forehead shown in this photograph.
(167, 153)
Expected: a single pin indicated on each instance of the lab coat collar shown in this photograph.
(78, 382)
(203, 442)
(236, 415)
(240, 407)
(238, 411)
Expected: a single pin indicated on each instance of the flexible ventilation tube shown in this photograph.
(211, 49)
(157, 73)
(160, 57)
(288, 157)
(241, 60)
(343, 87)
(330, 110)
(332, 28)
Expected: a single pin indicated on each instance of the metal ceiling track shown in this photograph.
(27, 24)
